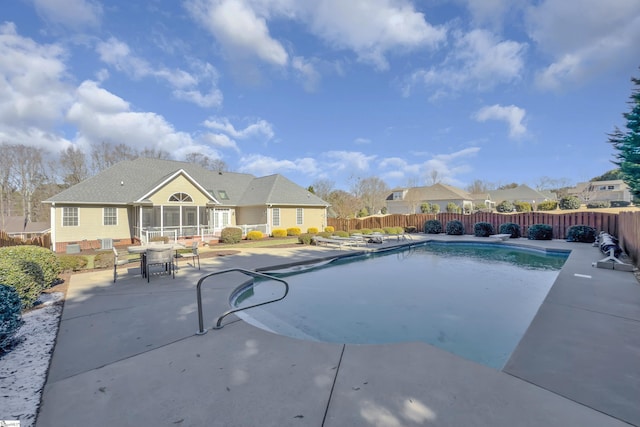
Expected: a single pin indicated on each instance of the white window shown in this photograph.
(397, 195)
(275, 217)
(299, 216)
(69, 217)
(180, 197)
(110, 216)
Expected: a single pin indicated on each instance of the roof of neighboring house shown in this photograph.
(129, 181)
(434, 192)
(17, 224)
(523, 193)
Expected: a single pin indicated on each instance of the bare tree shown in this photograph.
(435, 176)
(343, 204)
(105, 155)
(7, 164)
(479, 186)
(372, 193)
(217, 165)
(29, 175)
(73, 166)
(323, 188)
(153, 153)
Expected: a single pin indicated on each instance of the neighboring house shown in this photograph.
(521, 193)
(18, 226)
(143, 198)
(409, 200)
(602, 191)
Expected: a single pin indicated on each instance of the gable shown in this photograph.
(178, 185)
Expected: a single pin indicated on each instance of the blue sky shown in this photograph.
(497, 90)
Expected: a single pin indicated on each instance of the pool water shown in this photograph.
(474, 300)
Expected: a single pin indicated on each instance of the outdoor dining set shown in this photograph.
(155, 258)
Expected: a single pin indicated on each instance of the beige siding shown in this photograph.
(179, 185)
(251, 215)
(90, 225)
(311, 217)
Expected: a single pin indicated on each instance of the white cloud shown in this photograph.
(260, 165)
(511, 114)
(102, 116)
(306, 72)
(239, 29)
(604, 35)
(186, 85)
(74, 14)
(34, 91)
(372, 28)
(348, 160)
(257, 129)
(219, 140)
(477, 60)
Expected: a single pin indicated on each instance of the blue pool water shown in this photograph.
(474, 300)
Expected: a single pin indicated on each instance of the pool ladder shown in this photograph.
(254, 274)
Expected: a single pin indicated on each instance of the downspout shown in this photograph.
(53, 226)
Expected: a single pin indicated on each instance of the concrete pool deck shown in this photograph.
(127, 355)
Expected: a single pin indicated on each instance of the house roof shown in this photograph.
(436, 192)
(522, 193)
(132, 180)
(17, 224)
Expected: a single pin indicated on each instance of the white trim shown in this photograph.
(171, 178)
(104, 217)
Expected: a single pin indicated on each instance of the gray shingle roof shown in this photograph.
(129, 181)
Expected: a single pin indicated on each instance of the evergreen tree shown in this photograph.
(628, 143)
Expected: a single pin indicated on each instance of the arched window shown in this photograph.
(180, 197)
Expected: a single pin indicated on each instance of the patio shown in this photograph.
(127, 354)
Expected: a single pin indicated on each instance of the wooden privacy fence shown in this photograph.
(629, 226)
(43, 241)
(560, 223)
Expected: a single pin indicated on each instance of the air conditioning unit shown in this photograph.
(106, 243)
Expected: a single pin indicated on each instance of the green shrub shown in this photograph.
(325, 234)
(352, 232)
(619, 204)
(341, 233)
(10, 316)
(522, 206)
(540, 232)
(453, 208)
(312, 230)
(569, 202)
(306, 238)
(505, 206)
(25, 277)
(365, 231)
(581, 233)
(598, 204)
(72, 262)
(455, 228)
(433, 226)
(279, 232)
(231, 235)
(363, 212)
(425, 208)
(435, 208)
(329, 229)
(390, 230)
(255, 235)
(548, 205)
(377, 230)
(293, 231)
(511, 228)
(483, 229)
(45, 258)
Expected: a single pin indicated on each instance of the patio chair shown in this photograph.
(160, 257)
(123, 259)
(193, 254)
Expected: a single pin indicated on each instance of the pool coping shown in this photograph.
(127, 355)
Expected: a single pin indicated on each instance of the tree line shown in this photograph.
(29, 175)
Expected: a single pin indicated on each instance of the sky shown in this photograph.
(410, 92)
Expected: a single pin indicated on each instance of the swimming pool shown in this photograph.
(474, 300)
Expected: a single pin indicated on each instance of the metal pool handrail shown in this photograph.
(201, 330)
